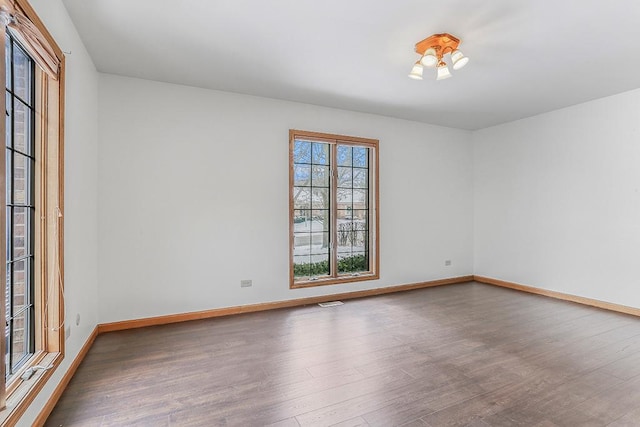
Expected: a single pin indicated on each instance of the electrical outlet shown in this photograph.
(246, 283)
(447, 262)
(67, 332)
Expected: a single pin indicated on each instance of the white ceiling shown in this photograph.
(526, 56)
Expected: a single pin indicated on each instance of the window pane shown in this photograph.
(320, 176)
(345, 215)
(320, 153)
(345, 177)
(343, 155)
(8, 160)
(301, 175)
(21, 175)
(360, 178)
(7, 62)
(360, 157)
(301, 198)
(345, 197)
(302, 152)
(7, 295)
(20, 275)
(7, 230)
(19, 232)
(320, 198)
(358, 239)
(8, 120)
(22, 128)
(7, 350)
(21, 74)
(360, 219)
(320, 218)
(301, 216)
(344, 235)
(301, 243)
(359, 199)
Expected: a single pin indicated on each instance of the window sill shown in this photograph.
(335, 280)
(24, 391)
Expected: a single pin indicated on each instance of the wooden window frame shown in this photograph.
(18, 393)
(373, 206)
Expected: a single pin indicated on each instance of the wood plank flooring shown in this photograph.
(458, 355)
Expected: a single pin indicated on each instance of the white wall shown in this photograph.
(193, 197)
(556, 200)
(81, 139)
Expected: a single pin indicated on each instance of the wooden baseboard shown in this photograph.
(184, 317)
(559, 295)
(55, 396)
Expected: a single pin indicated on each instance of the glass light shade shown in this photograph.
(443, 72)
(416, 71)
(458, 59)
(429, 58)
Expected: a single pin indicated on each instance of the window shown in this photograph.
(333, 184)
(20, 221)
(32, 229)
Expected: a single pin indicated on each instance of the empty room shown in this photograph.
(338, 213)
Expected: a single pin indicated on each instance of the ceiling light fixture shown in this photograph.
(432, 50)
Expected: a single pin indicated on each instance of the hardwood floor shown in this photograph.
(458, 355)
